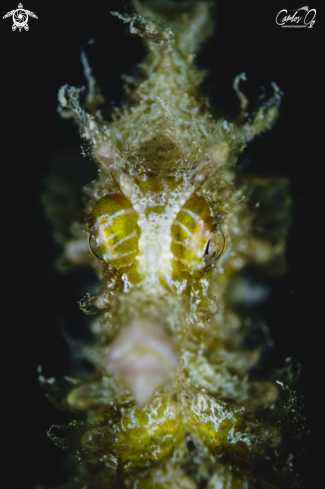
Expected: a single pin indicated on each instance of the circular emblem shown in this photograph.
(20, 18)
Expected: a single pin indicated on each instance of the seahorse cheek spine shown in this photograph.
(170, 404)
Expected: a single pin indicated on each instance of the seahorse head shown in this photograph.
(163, 213)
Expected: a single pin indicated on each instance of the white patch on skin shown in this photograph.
(77, 251)
(127, 284)
(154, 257)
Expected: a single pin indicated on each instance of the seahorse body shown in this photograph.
(170, 227)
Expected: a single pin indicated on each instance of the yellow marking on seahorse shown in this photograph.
(115, 230)
(148, 434)
(191, 231)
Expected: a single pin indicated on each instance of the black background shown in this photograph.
(38, 301)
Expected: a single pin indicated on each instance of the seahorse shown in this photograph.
(170, 224)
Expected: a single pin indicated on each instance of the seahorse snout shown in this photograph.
(142, 359)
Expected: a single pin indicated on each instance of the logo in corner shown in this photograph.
(300, 17)
(20, 18)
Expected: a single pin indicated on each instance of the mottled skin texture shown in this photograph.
(170, 225)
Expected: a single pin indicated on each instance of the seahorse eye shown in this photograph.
(114, 232)
(93, 248)
(214, 246)
(197, 239)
